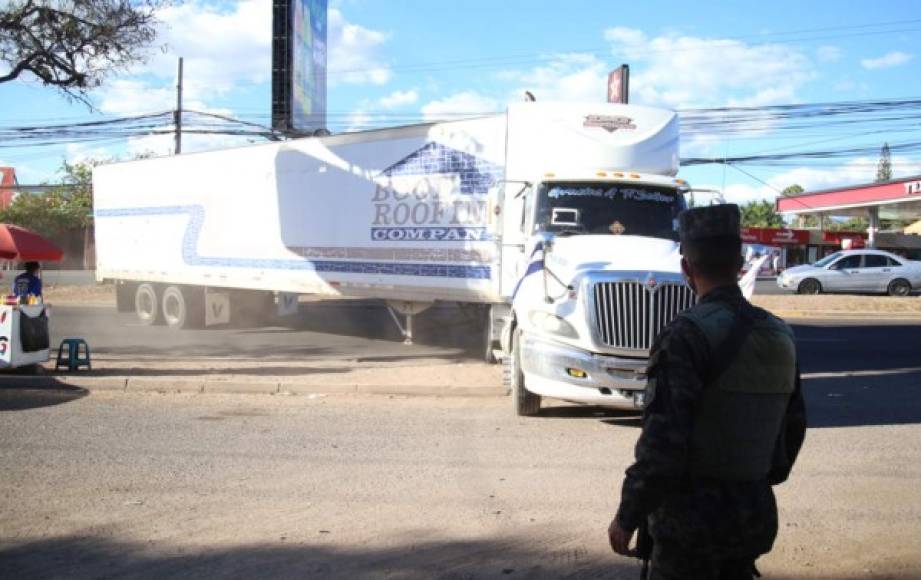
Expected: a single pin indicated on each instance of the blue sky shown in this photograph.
(409, 60)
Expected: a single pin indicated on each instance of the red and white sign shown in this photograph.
(774, 236)
(619, 84)
(851, 239)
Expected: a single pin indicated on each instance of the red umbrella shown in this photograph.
(18, 243)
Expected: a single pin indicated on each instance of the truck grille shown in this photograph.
(629, 315)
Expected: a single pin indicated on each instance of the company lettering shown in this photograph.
(411, 208)
(913, 187)
(429, 234)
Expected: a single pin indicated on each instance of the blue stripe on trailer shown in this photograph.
(191, 257)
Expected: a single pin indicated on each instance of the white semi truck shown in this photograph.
(559, 220)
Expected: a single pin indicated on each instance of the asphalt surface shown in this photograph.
(327, 330)
(232, 486)
(149, 486)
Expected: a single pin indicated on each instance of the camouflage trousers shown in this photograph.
(713, 531)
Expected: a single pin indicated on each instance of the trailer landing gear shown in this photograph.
(407, 310)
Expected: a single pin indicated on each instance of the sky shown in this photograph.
(401, 61)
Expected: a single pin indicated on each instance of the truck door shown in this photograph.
(516, 201)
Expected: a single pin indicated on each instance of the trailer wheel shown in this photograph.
(181, 309)
(146, 304)
(527, 404)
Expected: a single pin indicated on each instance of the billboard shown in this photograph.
(299, 65)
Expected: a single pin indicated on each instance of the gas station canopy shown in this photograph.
(898, 199)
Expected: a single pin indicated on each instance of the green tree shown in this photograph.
(760, 214)
(853, 224)
(61, 208)
(62, 213)
(73, 45)
(884, 168)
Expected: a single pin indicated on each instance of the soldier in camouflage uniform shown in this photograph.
(724, 420)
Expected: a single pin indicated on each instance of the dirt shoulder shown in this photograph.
(96, 295)
(787, 304)
(843, 305)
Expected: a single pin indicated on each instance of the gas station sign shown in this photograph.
(774, 236)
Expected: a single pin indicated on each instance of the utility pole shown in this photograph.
(177, 114)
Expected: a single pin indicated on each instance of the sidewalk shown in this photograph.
(422, 377)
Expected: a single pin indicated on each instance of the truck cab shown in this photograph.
(596, 276)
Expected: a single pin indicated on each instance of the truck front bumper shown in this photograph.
(554, 370)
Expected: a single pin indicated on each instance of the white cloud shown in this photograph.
(828, 53)
(399, 99)
(565, 77)
(855, 171)
(466, 103)
(354, 50)
(226, 49)
(79, 152)
(688, 72)
(230, 50)
(221, 49)
(888, 60)
(135, 96)
(359, 120)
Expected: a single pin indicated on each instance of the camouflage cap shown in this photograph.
(714, 221)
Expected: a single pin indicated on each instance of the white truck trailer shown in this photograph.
(559, 220)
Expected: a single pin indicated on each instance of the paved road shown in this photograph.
(360, 330)
(183, 486)
(769, 286)
(334, 330)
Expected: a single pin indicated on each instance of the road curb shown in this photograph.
(842, 315)
(204, 386)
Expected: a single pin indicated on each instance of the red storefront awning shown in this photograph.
(774, 236)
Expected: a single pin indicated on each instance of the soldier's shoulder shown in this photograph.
(775, 321)
(708, 318)
(684, 327)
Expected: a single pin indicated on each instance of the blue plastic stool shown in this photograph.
(73, 361)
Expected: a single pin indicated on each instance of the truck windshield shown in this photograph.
(608, 208)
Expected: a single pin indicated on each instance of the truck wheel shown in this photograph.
(809, 286)
(527, 404)
(180, 308)
(146, 304)
(899, 287)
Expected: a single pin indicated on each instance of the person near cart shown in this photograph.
(29, 283)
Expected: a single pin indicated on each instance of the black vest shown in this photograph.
(739, 415)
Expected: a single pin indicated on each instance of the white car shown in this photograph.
(855, 271)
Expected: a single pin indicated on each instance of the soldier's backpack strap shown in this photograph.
(726, 351)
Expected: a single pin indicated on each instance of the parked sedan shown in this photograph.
(856, 271)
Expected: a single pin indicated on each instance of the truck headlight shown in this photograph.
(552, 324)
